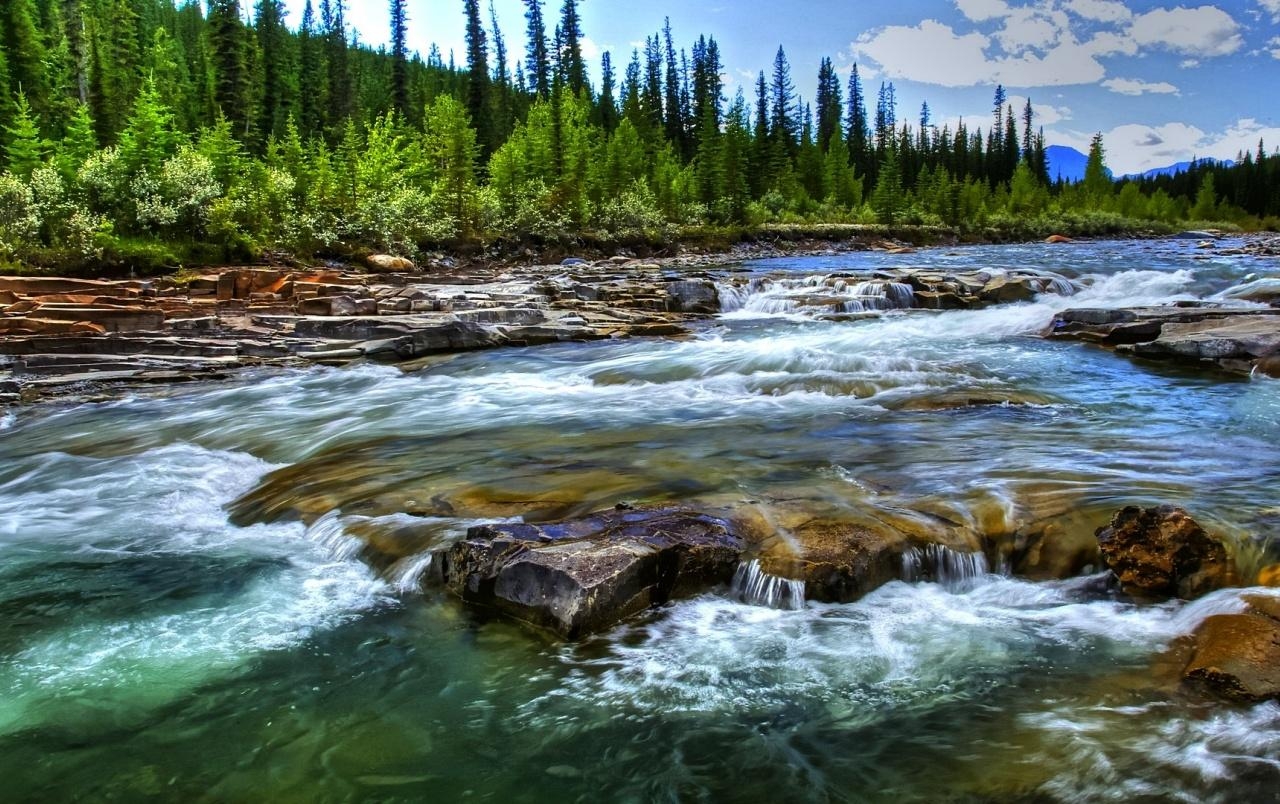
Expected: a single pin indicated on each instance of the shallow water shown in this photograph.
(150, 649)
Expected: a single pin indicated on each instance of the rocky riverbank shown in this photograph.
(88, 338)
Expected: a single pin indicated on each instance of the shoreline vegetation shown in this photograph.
(140, 137)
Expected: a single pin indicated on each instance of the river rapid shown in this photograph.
(152, 650)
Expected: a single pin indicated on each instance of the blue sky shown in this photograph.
(1162, 81)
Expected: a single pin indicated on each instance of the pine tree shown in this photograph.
(278, 72)
(538, 71)
(451, 146)
(149, 138)
(997, 128)
(653, 94)
(856, 131)
(830, 104)
(478, 77)
(573, 68)
(673, 117)
(24, 149)
(341, 85)
(20, 36)
(228, 44)
(606, 110)
(1097, 183)
(78, 143)
(400, 52)
(312, 76)
(784, 128)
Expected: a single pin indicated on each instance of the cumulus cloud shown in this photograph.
(1271, 7)
(1273, 47)
(934, 53)
(1134, 86)
(1046, 43)
(930, 52)
(1101, 10)
(1203, 31)
(1135, 148)
(981, 10)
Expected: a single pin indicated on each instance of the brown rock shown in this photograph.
(1269, 576)
(328, 306)
(1057, 238)
(1162, 552)
(1237, 656)
(581, 576)
(388, 264)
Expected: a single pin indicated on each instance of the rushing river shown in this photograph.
(152, 650)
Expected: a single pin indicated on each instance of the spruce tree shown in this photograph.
(277, 70)
(830, 104)
(227, 42)
(478, 77)
(856, 130)
(1097, 184)
(24, 148)
(538, 71)
(400, 53)
(673, 118)
(312, 76)
(78, 143)
(573, 68)
(606, 109)
(149, 138)
(784, 127)
(20, 36)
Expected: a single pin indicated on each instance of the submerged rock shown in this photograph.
(582, 576)
(1162, 552)
(1237, 656)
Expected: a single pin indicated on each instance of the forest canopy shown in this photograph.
(141, 130)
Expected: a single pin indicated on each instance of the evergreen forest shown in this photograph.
(144, 132)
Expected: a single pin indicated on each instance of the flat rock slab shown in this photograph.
(1231, 339)
(582, 576)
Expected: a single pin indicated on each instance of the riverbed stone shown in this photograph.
(1162, 552)
(581, 576)
(388, 264)
(1237, 656)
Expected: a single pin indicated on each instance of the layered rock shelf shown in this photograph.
(1234, 339)
(59, 335)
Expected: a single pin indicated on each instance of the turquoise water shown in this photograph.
(152, 650)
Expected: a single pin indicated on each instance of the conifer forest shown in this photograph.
(152, 133)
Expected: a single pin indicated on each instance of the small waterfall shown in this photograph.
(753, 585)
(406, 574)
(883, 295)
(942, 565)
(329, 532)
(774, 296)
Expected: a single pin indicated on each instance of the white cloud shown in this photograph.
(1108, 43)
(980, 10)
(590, 50)
(1026, 28)
(1102, 10)
(1187, 64)
(930, 52)
(1272, 7)
(1135, 148)
(1134, 86)
(1274, 47)
(1203, 31)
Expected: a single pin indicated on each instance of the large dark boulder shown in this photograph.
(1162, 552)
(1237, 656)
(581, 576)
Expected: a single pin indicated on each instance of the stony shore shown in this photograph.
(88, 339)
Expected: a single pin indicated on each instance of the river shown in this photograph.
(152, 650)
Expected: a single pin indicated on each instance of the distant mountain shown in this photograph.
(1180, 167)
(1066, 163)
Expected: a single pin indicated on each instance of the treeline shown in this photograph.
(141, 129)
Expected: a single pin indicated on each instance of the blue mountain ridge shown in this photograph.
(1068, 163)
